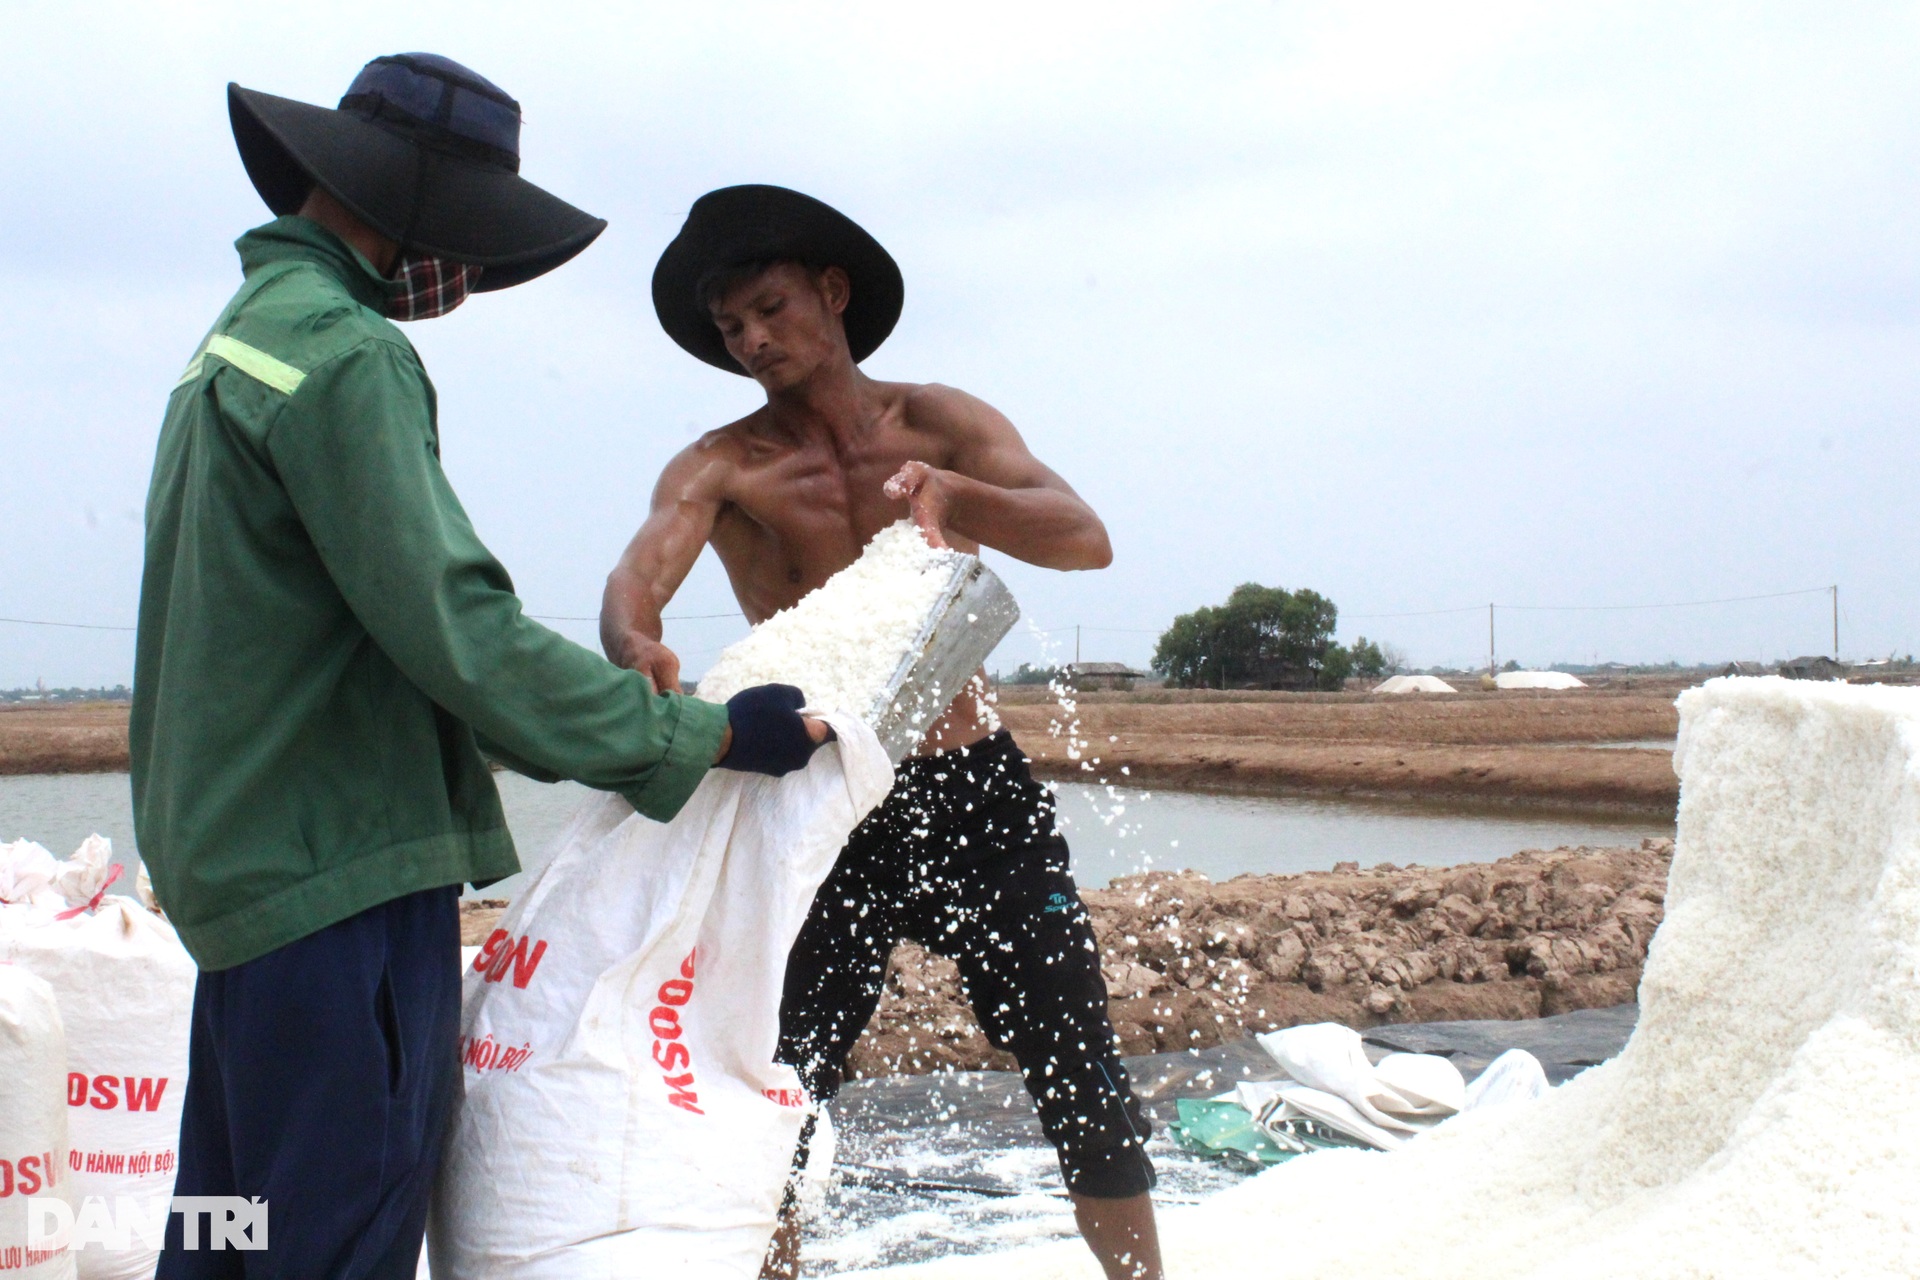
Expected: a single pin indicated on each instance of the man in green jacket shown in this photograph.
(326, 656)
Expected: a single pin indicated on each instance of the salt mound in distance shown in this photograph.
(1764, 1120)
(842, 642)
(1537, 680)
(1413, 684)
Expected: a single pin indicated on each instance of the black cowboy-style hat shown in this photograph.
(423, 151)
(735, 226)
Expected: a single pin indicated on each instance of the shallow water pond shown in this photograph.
(1113, 831)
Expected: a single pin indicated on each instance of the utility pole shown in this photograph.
(1835, 589)
(1490, 667)
(1076, 644)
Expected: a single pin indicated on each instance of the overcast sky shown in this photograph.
(1421, 306)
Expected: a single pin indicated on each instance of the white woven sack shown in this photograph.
(624, 1116)
(33, 1120)
(125, 987)
(27, 875)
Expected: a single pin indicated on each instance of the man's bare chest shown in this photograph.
(795, 518)
(800, 485)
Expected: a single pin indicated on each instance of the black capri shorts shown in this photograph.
(964, 858)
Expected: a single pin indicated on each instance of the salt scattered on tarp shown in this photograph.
(955, 1163)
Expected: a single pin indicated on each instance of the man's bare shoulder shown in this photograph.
(709, 464)
(736, 443)
(947, 411)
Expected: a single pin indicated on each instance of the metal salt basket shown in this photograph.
(972, 614)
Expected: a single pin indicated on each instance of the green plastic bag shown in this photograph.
(1225, 1129)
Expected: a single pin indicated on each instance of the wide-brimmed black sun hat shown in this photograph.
(735, 226)
(425, 152)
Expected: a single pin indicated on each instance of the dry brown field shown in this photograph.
(1528, 748)
(85, 737)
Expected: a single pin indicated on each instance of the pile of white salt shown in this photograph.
(1764, 1120)
(842, 643)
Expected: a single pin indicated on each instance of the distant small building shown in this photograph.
(1275, 673)
(1089, 677)
(1744, 669)
(1814, 667)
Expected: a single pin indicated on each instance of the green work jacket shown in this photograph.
(325, 647)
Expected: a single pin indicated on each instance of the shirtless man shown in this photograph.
(962, 856)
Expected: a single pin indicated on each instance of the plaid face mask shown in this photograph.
(434, 286)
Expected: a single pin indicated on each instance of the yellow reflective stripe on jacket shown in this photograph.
(252, 361)
(256, 363)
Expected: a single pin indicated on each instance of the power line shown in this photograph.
(665, 618)
(76, 626)
(1138, 631)
(1678, 604)
(543, 617)
(1131, 631)
(1417, 613)
(1587, 608)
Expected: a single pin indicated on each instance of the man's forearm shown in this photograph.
(1040, 526)
(628, 604)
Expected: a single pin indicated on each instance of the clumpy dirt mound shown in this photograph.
(478, 919)
(1190, 963)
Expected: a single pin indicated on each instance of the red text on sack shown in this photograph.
(105, 1093)
(503, 953)
(28, 1175)
(668, 1052)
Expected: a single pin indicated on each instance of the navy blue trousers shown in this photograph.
(322, 1078)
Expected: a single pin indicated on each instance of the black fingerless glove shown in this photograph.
(768, 734)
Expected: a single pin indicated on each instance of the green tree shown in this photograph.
(1262, 636)
(1336, 667)
(1368, 660)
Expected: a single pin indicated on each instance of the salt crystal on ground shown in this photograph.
(842, 643)
(1764, 1120)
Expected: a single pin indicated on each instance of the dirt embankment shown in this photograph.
(86, 737)
(1190, 963)
(1533, 749)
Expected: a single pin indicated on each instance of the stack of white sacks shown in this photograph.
(96, 997)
